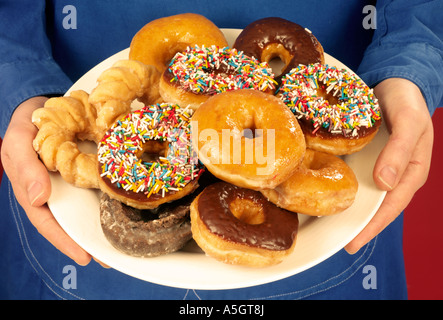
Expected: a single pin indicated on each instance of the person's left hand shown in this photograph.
(403, 165)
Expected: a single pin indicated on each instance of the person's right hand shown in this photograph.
(30, 179)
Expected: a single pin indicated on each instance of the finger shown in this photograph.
(407, 118)
(31, 176)
(30, 180)
(394, 158)
(104, 265)
(42, 218)
(397, 200)
(28, 175)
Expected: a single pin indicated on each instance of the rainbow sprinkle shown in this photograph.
(119, 149)
(212, 70)
(356, 105)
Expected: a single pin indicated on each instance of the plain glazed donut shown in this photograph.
(338, 112)
(145, 233)
(200, 72)
(159, 40)
(272, 37)
(322, 185)
(247, 138)
(128, 167)
(239, 226)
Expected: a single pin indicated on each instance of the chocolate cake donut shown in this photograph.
(149, 232)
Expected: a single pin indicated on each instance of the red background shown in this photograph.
(423, 236)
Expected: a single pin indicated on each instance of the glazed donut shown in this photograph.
(247, 138)
(322, 185)
(61, 123)
(145, 158)
(159, 40)
(145, 233)
(239, 226)
(338, 112)
(273, 37)
(200, 72)
(119, 86)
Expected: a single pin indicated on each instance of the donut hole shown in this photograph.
(277, 65)
(152, 150)
(329, 96)
(249, 129)
(278, 58)
(247, 211)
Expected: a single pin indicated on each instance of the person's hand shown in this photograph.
(30, 180)
(403, 165)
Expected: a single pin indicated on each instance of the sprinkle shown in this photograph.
(356, 105)
(119, 149)
(211, 70)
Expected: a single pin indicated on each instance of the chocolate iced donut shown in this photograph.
(272, 37)
(240, 226)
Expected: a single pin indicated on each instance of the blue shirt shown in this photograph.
(47, 45)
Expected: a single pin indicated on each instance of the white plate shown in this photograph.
(77, 211)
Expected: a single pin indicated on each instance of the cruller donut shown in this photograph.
(118, 86)
(146, 159)
(273, 37)
(247, 138)
(337, 111)
(197, 73)
(239, 226)
(323, 184)
(62, 123)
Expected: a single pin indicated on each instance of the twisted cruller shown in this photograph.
(121, 84)
(82, 116)
(61, 122)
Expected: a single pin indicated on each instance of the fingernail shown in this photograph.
(35, 191)
(388, 176)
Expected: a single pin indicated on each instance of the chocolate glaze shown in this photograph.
(168, 76)
(199, 184)
(277, 232)
(301, 44)
(140, 196)
(308, 128)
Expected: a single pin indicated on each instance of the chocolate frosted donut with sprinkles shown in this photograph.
(146, 159)
(338, 113)
(198, 73)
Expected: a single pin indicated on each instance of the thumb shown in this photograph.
(407, 119)
(37, 183)
(27, 173)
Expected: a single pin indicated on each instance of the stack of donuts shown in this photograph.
(223, 150)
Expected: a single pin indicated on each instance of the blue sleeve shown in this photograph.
(408, 43)
(26, 65)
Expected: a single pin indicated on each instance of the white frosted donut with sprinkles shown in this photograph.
(146, 159)
(338, 112)
(200, 72)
